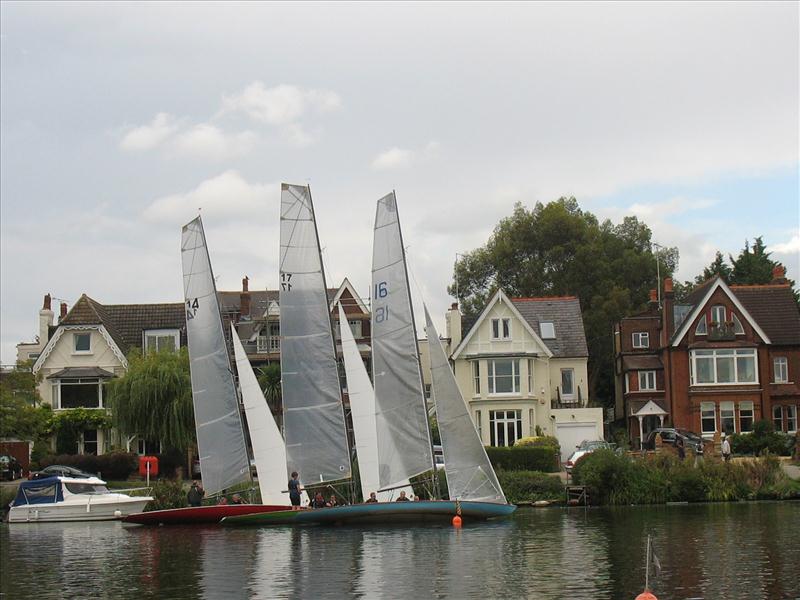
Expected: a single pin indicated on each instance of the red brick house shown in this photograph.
(718, 361)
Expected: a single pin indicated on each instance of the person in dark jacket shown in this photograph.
(294, 491)
(195, 495)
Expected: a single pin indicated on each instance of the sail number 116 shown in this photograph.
(381, 312)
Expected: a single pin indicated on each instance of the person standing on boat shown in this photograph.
(402, 497)
(195, 495)
(372, 498)
(726, 449)
(294, 491)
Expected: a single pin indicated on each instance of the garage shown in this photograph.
(571, 434)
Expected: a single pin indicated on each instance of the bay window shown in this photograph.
(505, 427)
(724, 366)
(708, 418)
(503, 376)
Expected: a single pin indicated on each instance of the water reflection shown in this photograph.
(707, 551)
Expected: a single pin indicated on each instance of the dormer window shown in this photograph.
(641, 339)
(82, 343)
(501, 329)
(547, 330)
(718, 314)
(156, 340)
(702, 327)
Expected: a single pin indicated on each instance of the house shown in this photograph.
(718, 361)
(88, 346)
(522, 367)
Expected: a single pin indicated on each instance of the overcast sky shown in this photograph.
(120, 120)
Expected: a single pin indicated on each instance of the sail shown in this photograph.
(470, 475)
(313, 417)
(220, 437)
(404, 445)
(362, 407)
(269, 451)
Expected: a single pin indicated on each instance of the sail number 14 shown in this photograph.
(381, 312)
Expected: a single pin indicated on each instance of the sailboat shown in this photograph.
(221, 444)
(404, 447)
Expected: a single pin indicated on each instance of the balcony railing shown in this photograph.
(268, 343)
(721, 332)
(570, 401)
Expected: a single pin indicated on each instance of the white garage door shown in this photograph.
(571, 434)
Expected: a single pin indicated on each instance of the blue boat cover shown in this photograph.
(39, 491)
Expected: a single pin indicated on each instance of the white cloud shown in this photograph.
(147, 137)
(673, 206)
(209, 142)
(280, 105)
(227, 196)
(792, 246)
(398, 158)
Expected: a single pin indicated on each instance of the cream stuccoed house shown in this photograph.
(521, 365)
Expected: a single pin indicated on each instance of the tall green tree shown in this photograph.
(154, 398)
(717, 267)
(753, 266)
(559, 249)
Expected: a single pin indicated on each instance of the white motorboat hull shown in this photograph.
(106, 508)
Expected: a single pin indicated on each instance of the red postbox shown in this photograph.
(148, 460)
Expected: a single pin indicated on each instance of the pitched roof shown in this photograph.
(565, 314)
(774, 308)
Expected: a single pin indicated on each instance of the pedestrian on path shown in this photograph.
(726, 448)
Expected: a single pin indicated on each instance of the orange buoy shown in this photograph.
(456, 521)
(646, 595)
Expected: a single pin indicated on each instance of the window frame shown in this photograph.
(515, 376)
(746, 406)
(643, 337)
(646, 376)
(175, 334)
(777, 419)
(573, 395)
(715, 311)
(791, 418)
(738, 328)
(531, 381)
(86, 381)
(502, 423)
(727, 411)
(784, 361)
(501, 328)
(476, 377)
(551, 332)
(716, 353)
(706, 407)
(704, 323)
(79, 335)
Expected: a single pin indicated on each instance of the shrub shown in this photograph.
(167, 494)
(539, 441)
(113, 465)
(724, 481)
(530, 486)
(523, 458)
(763, 438)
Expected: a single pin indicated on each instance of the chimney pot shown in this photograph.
(668, 284)
(63, 310)
(653, 296)
(244, 283)
(778, 273)
(48, 302)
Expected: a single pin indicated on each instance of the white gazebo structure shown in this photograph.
(651, 409)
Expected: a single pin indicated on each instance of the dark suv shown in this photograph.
(670, 435)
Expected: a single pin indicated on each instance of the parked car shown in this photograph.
(10, 469)
(584, 448)
(670, 435)
(62, 470)
(438, 457)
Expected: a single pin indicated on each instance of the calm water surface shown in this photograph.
(718, 551)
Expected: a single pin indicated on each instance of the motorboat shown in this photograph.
(71, 499)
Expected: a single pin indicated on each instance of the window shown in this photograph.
(85, 488)
(82, 342)
(262, 344)
(476, 376)
(647, 380)
(90, 441)
(156, 340)
(80, 393)
(791, 418)
(503, 376)
(427, 391)
(727, 417)
(505, 427)
(745, 417)
(702, 326)
(567, 384)
(780, 367)
(501, 329)
(718, 314)
(641, 339)
(355, 326)
(547, 330)
(708, 417)
(530, 376)
(146, 447)
(478, 424)
(275, 337)
(723, 366)
(777, 418)
(737, 325)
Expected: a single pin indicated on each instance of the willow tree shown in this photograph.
(154, 398)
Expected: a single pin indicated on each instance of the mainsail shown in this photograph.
(269, 451)
(314, 427)
(220, 437)
(470, 475)
(404, 445)
(362, 407)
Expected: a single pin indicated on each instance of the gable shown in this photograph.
(349, 299)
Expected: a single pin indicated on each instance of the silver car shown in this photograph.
(584, 448)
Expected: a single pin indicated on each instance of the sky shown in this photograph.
(119, 121)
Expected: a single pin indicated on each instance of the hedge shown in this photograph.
(763, 437)
(530, 486)
(523, 458)
(113, 465)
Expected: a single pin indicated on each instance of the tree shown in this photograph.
(717, 267)
(558, 249)
(753, 266)
(154, 398)
(269, 379)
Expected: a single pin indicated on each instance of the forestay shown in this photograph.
(220, 437)
(362, 407)
(404, 446)
(470, 475)
(314, 427)
(269, 451)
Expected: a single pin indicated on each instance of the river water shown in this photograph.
(711, 551)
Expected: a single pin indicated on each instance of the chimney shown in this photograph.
(653, 297)
(45, 319)
(668, 314)
(668, 286)
(244, 299)
(779, 275)
(63, 312)
(453, 326)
